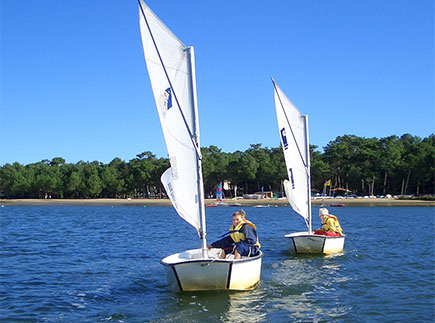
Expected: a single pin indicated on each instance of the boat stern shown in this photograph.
(188, 271)
(306, 243)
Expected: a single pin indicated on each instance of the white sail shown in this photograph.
(292, 126)
(171, 71)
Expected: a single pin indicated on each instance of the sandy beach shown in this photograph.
(210, 202)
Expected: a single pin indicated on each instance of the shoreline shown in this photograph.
(226, 202)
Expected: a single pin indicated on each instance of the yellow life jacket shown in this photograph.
(330, 224)
(237, 236)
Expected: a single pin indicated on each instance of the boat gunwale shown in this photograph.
(307, 235)
(211, 260)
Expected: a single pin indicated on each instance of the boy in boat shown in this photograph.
(330, 225)
(242, 239)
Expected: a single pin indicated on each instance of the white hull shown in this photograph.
(303, 242)
(189, 271)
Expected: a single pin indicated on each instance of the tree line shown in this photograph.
(362, 166)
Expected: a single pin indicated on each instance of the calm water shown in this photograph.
(91, 264)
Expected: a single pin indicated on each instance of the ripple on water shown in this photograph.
(99, 263)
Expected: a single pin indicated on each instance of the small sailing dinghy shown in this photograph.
(171, 69)
(293, 130)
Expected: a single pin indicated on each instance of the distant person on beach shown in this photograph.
(330, 225)
(242, 239)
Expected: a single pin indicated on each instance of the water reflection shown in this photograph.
(222, 306)
(300, 285)
(246, 307)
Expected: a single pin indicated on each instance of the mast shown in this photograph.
(200, 185)
(308, 171)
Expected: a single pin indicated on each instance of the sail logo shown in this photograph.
(165, 101)
(291, 178)
(170, 190)
(174, 167)
(284, 138)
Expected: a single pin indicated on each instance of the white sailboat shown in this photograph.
(171, 70)
(293, 130)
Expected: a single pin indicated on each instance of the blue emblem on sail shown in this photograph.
(291, 178)
(168, 98)
(165, 102)
(284, 138)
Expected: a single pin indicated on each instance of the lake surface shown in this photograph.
(92, 264)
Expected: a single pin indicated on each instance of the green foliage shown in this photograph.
(214, 167)
(395, 165)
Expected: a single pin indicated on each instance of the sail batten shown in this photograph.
(171, 70)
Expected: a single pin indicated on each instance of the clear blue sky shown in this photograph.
(74, 82)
